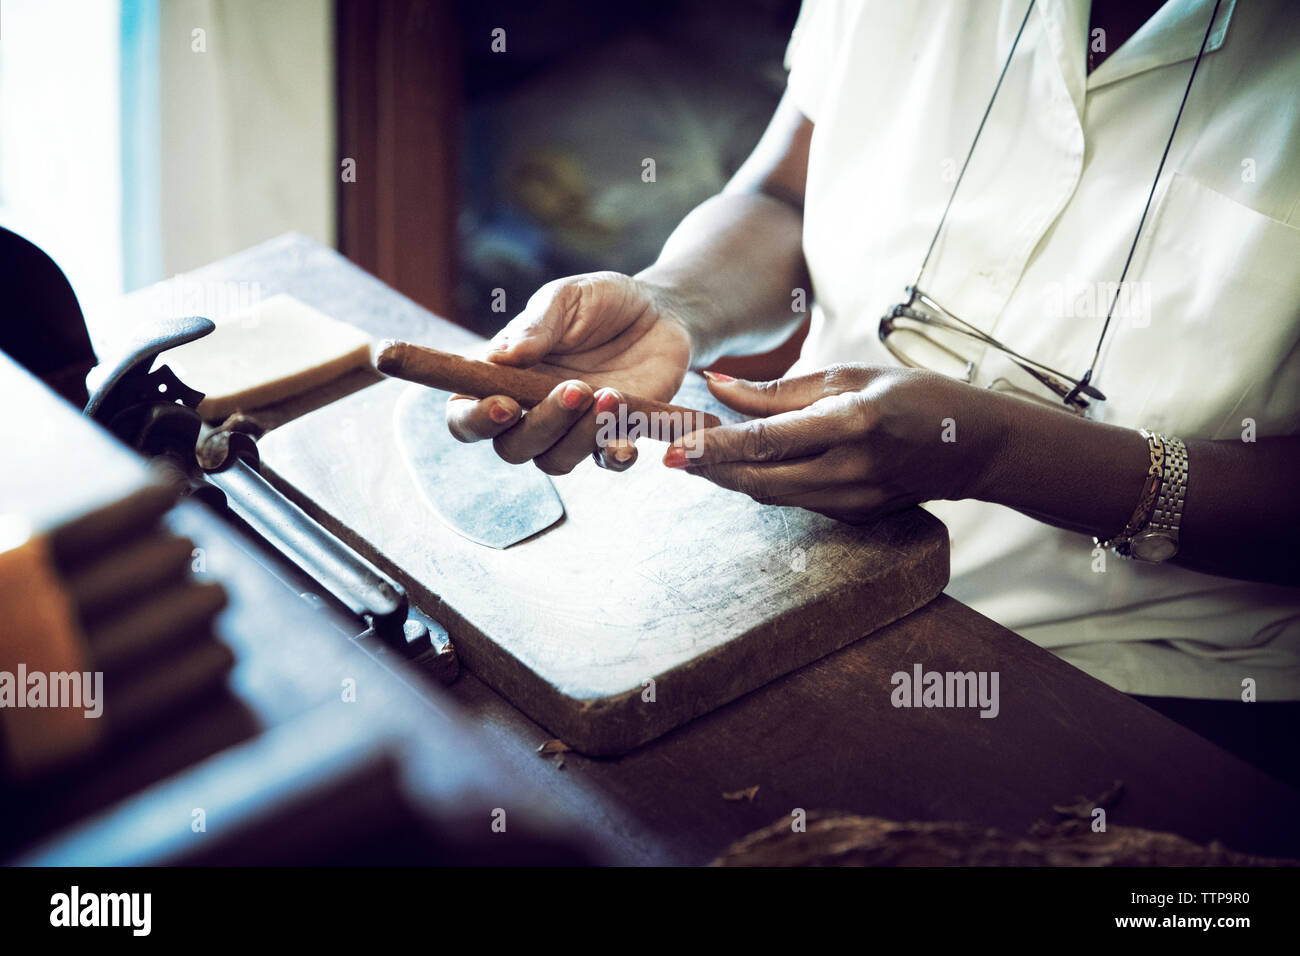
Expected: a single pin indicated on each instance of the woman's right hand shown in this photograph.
(602, 326)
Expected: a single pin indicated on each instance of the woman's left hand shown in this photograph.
(852, 442)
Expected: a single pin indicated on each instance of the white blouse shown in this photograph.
(1205, 343)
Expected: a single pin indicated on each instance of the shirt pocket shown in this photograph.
(1216, 341)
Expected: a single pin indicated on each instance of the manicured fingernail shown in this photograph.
(499, 413)
(675, 457)
(571, 396)
(607, 401)
(720, 377)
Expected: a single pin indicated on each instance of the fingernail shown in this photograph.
(607, 401)
(499, 413)
(571, 396)
(501, 344)
(720, 377)
(675, 457)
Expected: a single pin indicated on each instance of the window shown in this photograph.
(60, 140)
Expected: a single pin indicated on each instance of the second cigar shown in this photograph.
(463, 376)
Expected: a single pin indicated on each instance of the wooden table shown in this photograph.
(827, 736)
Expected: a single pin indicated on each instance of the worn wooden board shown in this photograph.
(653, 575)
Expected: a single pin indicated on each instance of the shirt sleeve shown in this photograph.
(810, 56)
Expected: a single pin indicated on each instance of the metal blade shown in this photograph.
(474, 492)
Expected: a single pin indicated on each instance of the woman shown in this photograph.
(1111, 207)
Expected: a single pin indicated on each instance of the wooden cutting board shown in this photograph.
(658, 598)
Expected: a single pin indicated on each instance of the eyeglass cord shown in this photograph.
(1087, 376)
(916, 284)
(1086, 379)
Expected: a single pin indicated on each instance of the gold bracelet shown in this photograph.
(1150, 492)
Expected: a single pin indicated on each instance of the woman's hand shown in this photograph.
(852, 442)
(855, 442)
(603, 325)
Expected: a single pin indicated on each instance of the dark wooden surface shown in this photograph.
(285, 747)
(826, 736)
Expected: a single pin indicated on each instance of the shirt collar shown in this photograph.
(1065, 23)
(1173, 33)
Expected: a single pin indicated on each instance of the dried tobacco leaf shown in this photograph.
(1082, 806)
(841, 839)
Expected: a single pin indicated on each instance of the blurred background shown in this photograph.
(451, 147)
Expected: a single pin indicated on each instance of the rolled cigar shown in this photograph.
(155, 627)
(173, 683)
(128, 575)
(81, 539)
(464, 376)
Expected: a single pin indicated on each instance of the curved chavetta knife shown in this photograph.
(466, 485)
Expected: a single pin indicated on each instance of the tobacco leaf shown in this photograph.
(1083, 806)
(843, 839)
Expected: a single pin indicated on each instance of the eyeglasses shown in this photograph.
(921, 333)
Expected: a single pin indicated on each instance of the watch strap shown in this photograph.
(1160, 506)
(1168, 513)
(1151, 488)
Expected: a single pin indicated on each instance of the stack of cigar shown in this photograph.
(106, 629)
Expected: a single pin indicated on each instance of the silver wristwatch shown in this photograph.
(1153, 537)
(1158, 541)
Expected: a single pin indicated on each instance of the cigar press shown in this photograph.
(155, 413)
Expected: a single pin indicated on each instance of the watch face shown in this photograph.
(1154, 546)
